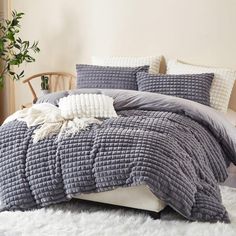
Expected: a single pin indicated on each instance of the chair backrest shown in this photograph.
(58, 81)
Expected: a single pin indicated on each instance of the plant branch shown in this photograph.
(13, 50)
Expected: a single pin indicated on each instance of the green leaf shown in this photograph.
(1, 45)
(22, 73)
(14, 62)
(19, 40)
(14, 22)
(17, 46)
(10, 36)
(20, 14)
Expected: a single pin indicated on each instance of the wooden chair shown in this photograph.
(58, 81)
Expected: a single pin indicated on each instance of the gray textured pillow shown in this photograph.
(92, 76)
(52, 98)
(195, 87)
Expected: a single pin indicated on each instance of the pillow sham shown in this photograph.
(92, 76)
(222, 84)
(194, 87)
(152, 61)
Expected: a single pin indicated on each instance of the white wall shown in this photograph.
(69, 32)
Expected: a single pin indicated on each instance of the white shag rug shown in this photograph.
(75, 218)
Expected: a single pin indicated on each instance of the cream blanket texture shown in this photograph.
(75, 113)
(87, 105)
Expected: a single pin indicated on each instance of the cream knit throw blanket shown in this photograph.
(75, 113)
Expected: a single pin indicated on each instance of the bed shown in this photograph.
(144, 140)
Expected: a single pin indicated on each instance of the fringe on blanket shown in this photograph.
(75, 113)
(63, 128)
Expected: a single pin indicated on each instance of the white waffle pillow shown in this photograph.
(222, 84)
(152, 61)
(87, 106)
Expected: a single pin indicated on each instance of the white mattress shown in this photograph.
(139, 197)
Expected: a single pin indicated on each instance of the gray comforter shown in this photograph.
(179, 149)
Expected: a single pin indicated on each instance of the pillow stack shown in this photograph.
(115, 72)
(206, 85)
(222, 84)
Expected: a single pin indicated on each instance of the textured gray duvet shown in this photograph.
(180, 149)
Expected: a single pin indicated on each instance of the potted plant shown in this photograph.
(44, 84)
(13, 50)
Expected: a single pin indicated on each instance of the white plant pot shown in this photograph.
(44, 92)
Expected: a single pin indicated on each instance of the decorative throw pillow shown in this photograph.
(87, 106)
(221, 86)
(106, 77)
(192, 87)
(152, 61)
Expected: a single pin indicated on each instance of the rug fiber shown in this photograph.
(79, 218)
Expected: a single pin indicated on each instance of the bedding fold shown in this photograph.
(178, 148)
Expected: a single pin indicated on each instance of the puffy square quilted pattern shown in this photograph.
(107, 77)
(222, 84)
(176, 157)
(195, 87)
(127, 61)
